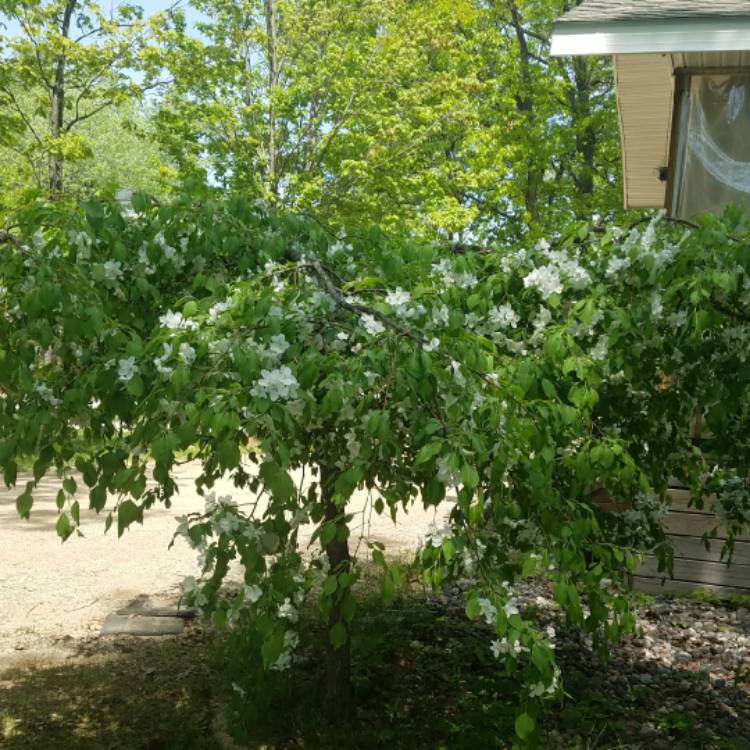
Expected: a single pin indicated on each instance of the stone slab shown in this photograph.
(184, 614)
(116, 624)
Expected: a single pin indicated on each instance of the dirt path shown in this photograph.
(54, 594)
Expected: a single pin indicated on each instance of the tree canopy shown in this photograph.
(520, 379)
(441, 119)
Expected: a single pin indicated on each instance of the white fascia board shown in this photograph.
(725, 34)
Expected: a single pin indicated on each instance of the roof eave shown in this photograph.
(725, 34)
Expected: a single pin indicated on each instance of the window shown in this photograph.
(711, 156)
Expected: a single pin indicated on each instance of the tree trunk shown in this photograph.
(273, 82)
(57, 107)
(338, 680)
(586, 137)
(525, 104)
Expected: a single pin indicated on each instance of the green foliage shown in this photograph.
(69, 77)
(445, 119)
(521, 380)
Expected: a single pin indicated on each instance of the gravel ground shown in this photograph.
(682, 683)
(54, 594)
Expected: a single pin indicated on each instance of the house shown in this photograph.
(682, 74)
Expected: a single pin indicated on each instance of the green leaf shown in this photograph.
(389, 590)
(524, 725)
(276, 480)
(327, 533)
(127, 513)
(473, 610)
(428, 451)
(272, 647)
(330, 585)
(469, 476)
(448, 550)
(348, 608)
(23, 504)
(228, 454)
(135, 386)
(63, 526)
(338, 635)
(549, 389)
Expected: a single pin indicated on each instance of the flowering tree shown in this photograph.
(304, 366)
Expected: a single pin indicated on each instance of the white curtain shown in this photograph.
(716, 167)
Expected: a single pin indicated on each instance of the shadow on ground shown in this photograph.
(119, 694)
(424, 676)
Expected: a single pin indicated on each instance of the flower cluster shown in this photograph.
(278, 384)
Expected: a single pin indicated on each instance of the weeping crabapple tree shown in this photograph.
(303, 366)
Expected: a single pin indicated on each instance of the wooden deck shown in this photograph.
(694, 565)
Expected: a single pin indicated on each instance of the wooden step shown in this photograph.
(655, 587)
(692, 548)
(697, 524)
(699, 572)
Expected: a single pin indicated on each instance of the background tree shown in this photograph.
(431, 117)
(68, 62)
(119, 151)
(550, 143)
(345, 109)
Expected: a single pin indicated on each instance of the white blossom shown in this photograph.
(601, 349)
(433, 345)
(47, 394)
(657, 307)
(161, 368)
(488, 610)
(398, 297)
(276, 385)
(227, 524)
(545, 279)
(371, 325)
(278, 345)
(127, 369)
(465, 280)
(440, 315)
(187, 353)
(616, 265)
(457, 375)
(288, 611)
(176, 322)
(219, 346)
(510, 607)
(112, 271)
(578, 276)
(445, 474)
(504, 316)
(253, 593)
(543, 319)
(220, 307)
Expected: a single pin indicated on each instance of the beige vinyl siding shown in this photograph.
(645, 96)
